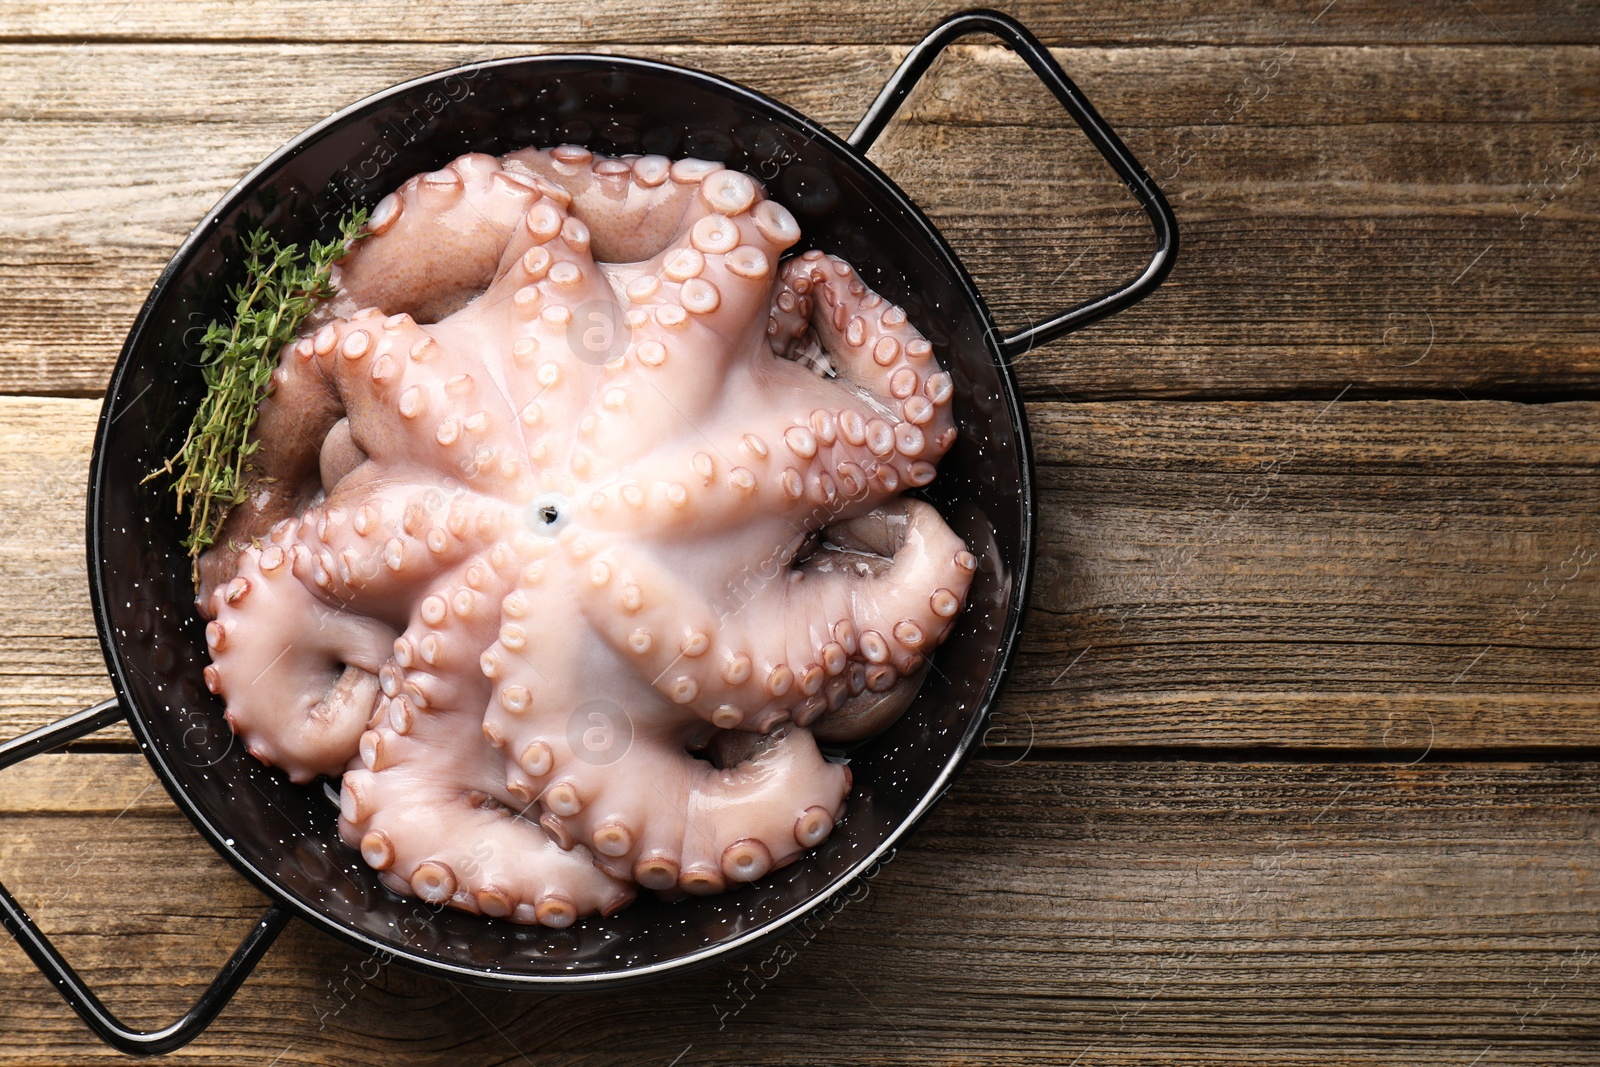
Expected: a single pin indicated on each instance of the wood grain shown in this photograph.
(1367, 575)
(1172, 912)
(1140, 87)
(1406, 222)
(1400, 569)
(745, 21)
(1298, 760)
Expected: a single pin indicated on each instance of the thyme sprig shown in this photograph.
(280, 289)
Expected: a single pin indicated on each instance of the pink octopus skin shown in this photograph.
(476, 520)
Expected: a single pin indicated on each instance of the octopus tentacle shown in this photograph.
(689, 317)
(299, 695)
(855, 448)
(719, 268)
(697, 309)
(757, 803)
(435, 242)
(803, 471)
(296, 416)
(670, 821)
(413, 401)
(426, 812)
(634, 205)
(543, 301)
(898, 613)
(646, 801)
(371, 542)
(880, 596)
(872, 345)
(439, 663)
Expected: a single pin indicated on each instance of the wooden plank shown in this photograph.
(1273, 84)
(222, 83)
(1369, 575)
(1152, 912)
(1410, 572)
(1404, 221)
(1148, 86)
(51, 665)
(741, 21)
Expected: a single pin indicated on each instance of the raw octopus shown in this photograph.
(576, 521)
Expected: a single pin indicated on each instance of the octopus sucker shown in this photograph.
(576, 525)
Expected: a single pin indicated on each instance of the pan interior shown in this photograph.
(285, 836)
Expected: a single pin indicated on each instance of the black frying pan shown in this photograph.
(282, 837)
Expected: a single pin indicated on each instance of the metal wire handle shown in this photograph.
(1017, 38)
(68, 982)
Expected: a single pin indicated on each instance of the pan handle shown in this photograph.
(67, 981)
(1017, 38)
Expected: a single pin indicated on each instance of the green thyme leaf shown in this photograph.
(280, 289)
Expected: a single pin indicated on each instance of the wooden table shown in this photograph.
(1299, 760)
